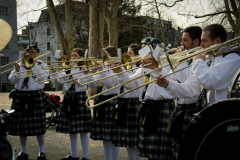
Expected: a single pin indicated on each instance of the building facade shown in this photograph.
(8, 13)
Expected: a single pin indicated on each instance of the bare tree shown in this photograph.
(96, 27)
(111, 18)
(63, 45)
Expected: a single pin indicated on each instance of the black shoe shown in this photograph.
(22, 156)
(41, 156)
(85, 159)
(69, 157)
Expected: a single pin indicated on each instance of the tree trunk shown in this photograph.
(57, 25)
(96, 27)
(96, 31)
(69, 25)
(111, 19)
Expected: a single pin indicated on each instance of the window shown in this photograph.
(4, 60)
(3, 10)
(48, 32)
(48, 45)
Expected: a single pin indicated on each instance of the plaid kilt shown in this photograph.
(127, 134)
(189, 115)
(32, 122)
(104, 130)
(80, 122)
(157, 145)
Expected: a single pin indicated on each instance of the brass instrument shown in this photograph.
(29, 62)
(127, 60)
(88, 65)
(127, 63)
(175, 61)
(65, 62)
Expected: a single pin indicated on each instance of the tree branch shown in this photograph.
(206, 15)
(172, 4)
(141, 26)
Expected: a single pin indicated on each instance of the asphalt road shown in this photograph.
(57, 145)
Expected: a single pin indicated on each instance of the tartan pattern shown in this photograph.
(28, 124)
(127, 135)
(157, 145)
(188, 117)
(104, 130)
(78, 123)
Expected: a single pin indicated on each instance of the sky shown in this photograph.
(29, 11)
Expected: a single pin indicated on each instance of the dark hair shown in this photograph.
(135, 48)
(33, 47)
(112, 51)
(194, 32)
(216, 30)
(80, 51)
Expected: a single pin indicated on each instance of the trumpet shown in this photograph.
(176, 60)
(29, 62)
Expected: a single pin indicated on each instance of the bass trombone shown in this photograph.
(175, 61)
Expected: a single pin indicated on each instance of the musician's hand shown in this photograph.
(163, 82)
(203, 57)
(52, 69)
(17, 67)
(98, 64)
(85, 72)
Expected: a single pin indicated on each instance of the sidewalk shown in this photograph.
(57, 145)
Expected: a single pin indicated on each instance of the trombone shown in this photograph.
(127, 70)
(127, 61)
(89, 64)
(28, 61)
(175, 61)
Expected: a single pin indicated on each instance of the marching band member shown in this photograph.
(175, 85)
(157, 104)
(29, 104)
(216, 78)
(127, 121)
(75, 117)
(103, 119)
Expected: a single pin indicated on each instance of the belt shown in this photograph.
(129, 99)
(157, 102)
(34, 91)
(186, 106)
(80, 93)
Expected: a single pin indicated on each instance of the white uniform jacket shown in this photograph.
(216, 78)
(154, 91)
(32, 83)
(75, 77)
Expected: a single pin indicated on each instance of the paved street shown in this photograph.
(57, 145)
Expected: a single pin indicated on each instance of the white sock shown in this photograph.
(114, 152)
(85, 144)
(107, 150)
(133, 154)
(40, 139)
(23, 141)
(74, 145)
